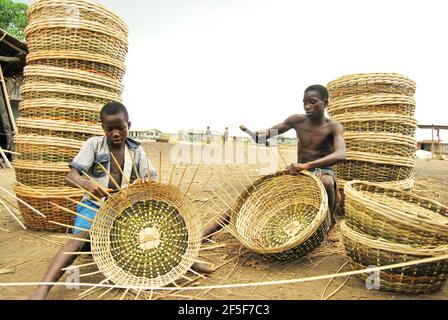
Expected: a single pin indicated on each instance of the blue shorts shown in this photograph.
(83, 211)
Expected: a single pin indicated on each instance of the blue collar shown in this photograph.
(132, 144)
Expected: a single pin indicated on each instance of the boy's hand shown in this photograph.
(295, 168)
(96, 190)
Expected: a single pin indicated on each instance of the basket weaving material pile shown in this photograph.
(377, 113)
(385, 226)
(282, 216)
(147, 235)
(75, 65)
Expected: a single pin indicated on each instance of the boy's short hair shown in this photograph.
(113, 108)
(323, 92)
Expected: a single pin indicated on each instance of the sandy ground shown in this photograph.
(25, 255)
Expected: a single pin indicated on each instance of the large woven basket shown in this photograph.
(78, 60)
(70, 33)
(43, 10)
(377, 122)
(366, 251)
(395, 215)
(146, 235)
(44, 148)
(41, 173)
(376, 83)
(62, 129)
(282, 216)
(60, 109)
(43, 200)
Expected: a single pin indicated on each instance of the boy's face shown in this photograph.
(116, 128)
(313, 104)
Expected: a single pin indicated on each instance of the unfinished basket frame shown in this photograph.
(147, 235)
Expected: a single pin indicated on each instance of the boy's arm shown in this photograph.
(276, 130)
(82, 163)
(337, 156)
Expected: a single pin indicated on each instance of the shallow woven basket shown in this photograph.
(381, 149)
(75, 34)
(43, 74)
(395, 215)
(44, 148)
(43, 10)
(365, 251)
(146, 235)
(377, 122)
(376, 103)
(62, 129)
(41, 173)
(370, 171)
(41, 199)
(376, 83)
(78, 60)
(282, 216)
(60, 109)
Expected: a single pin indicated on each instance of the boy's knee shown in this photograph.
(328, 183)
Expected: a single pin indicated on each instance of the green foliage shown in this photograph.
(13, 18)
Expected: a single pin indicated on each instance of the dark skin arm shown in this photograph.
(75, 176)
(275, 131)
(337, 156)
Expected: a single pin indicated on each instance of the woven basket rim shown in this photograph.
(45, 193)
(371, 78)
(399, 216)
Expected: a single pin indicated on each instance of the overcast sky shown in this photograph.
(193, 63)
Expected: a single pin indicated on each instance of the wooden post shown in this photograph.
(440, 143)
(7, 102)
(432, 143)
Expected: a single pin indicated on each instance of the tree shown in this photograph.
(13, 18)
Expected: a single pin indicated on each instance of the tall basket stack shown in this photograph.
(75, 65)
(377, 113)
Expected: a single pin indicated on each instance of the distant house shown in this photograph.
(426, 145)
(145, 135)
(12, 63)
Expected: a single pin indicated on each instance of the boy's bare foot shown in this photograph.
(203, 268)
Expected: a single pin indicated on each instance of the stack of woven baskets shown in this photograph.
(377, 113)
(385, 226)
(75, 65)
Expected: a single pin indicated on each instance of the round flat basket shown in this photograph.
(146, 235)
(46, 201)
(73, 59)
(376, 83)
(42, 10)
(43, 148)
(369, 171)
(57, 128)
(60, 109)
(377, 123)
(395, 215)
(75, 34)
(377, 103)
(282, 216)
(365, 251)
